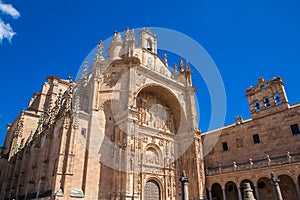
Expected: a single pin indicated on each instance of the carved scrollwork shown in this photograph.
(140, 80)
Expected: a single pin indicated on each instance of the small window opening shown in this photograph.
(256, 139)
(277, 99)
(267, 102)
(257, 106)
(83, 132)
(225, 146)
(263, 87)
(149, 45)
(295, 129)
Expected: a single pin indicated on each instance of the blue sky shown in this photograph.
(246, 39)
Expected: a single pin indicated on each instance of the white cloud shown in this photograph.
(9, 10)
(6, 31)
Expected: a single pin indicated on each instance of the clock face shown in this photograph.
(149, 61)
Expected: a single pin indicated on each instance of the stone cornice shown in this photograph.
(65, 82)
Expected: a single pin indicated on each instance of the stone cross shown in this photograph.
(275, 181)
(184, 183)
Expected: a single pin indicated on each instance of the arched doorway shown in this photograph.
(265, 189)
(216, 191)
(231, 191)
(152, 191)
(287, 187)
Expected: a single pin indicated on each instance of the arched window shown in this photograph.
(267, 102)
(277, 99)
(257, 106)
(149, 44)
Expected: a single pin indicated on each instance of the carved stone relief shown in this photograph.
(154, 113)
(112, 78)
(161, 142)
(140, 80)
(145, 140)
(151, 157)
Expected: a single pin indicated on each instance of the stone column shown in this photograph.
(298, 189)
(224, 194)
(274, 180)
(184, 183)
(210, 194)
(256, 192)
(239, 193)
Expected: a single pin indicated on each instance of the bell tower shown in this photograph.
(148, 41)
(267, 97)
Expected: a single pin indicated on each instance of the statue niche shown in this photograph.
(154, 113)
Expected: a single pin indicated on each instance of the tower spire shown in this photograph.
(127, 34)
(99, 56)
(181, 65)
(85, 67)
(188, 73)
(188, 69)
(165, 59)
(84, 73)
(175, 68)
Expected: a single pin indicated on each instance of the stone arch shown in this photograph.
(152, 154)
(242, 187)
(265, 189)
(167, 97)
(216, 192)
(105, 136)
(153, 184)
(287, 173)
(231, 191)
(287, 187)
(109, 109)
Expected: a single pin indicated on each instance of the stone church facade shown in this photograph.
(128, 128)
(125, 130)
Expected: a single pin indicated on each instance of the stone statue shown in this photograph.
(184, 182)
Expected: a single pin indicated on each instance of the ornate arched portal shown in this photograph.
(152, 191)
(159, 108)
